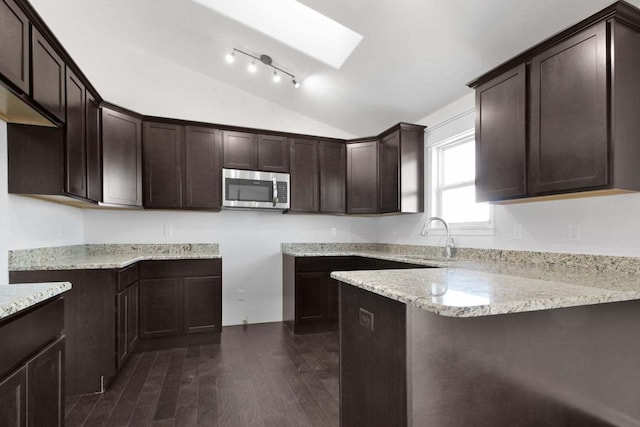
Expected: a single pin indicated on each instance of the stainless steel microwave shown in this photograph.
(254, 189)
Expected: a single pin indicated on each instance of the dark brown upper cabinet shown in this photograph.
(240, 150)
(14, 45)
(333, 177)
(304, 175)
(75, 142)
(94, 151)
(362, 177)
(401, 169)
(121, 158)
(202, 167)
(244, 150)
(563, 114)
(501, 137)
(162, 165)
(273, 153)
(48, 75)
(568, 149)
(182, 168)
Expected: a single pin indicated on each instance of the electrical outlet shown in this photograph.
(574, 232)
(241, 294)
(59, 231)
(366, 319)
(168, 230)
(517, 232)
(334, 232)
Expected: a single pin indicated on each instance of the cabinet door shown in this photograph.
(122, 327)
(569, 136)
(75, 145)
(240, 150)
(389, 172)
(333, 177)
(121, 158)
(203, 172)
(132, 316)
(13, 399)
(14, 45)
(94, 153)
(501, 139)
(362, 177)
(160, 307)
(48, 76)
(45, 391)
(162, 165)
(310, 296)
(202, 304)
(304, 175)
(273, 153)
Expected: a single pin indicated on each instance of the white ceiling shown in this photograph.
(416, 55)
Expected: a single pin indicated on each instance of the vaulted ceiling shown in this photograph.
(416, 55)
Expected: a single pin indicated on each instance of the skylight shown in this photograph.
(293, 24)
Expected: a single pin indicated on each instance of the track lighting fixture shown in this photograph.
(266, 60)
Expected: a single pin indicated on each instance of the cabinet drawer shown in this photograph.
(304, 264)
(28, 333)
(180, 268)
(341, 263)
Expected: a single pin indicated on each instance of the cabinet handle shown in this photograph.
(275, 192)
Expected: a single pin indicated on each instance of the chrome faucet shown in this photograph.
(449, 244)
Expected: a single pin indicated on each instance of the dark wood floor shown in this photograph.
(261, 376)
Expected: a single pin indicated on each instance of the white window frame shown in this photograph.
(435, 177)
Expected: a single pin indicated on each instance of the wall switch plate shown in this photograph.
(334, 232)
(241, 293)
(168, 231)
(366, 319)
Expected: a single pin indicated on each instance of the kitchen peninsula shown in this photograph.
(511, 344)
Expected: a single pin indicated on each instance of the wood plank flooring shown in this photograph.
(259, 376)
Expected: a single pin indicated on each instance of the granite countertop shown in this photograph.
(89, 257)
(15, 298)
(485, 282)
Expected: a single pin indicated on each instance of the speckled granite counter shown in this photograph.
(89, 257)
(15, 298)
(487, 282)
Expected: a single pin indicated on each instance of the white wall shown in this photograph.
(29, 223)
(249, 243)
(610, 225)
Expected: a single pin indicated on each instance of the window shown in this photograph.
(452, 180)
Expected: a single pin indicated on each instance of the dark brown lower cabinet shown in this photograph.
(160, 308)
(45, 387)
(32, 366)
(180, 302)
(13, 399)
(310, 295)
(126, 323)
(89, 325)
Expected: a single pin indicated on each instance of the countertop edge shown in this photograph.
(19, 297)
(71, 265)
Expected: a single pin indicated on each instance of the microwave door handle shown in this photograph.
(275, 192)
